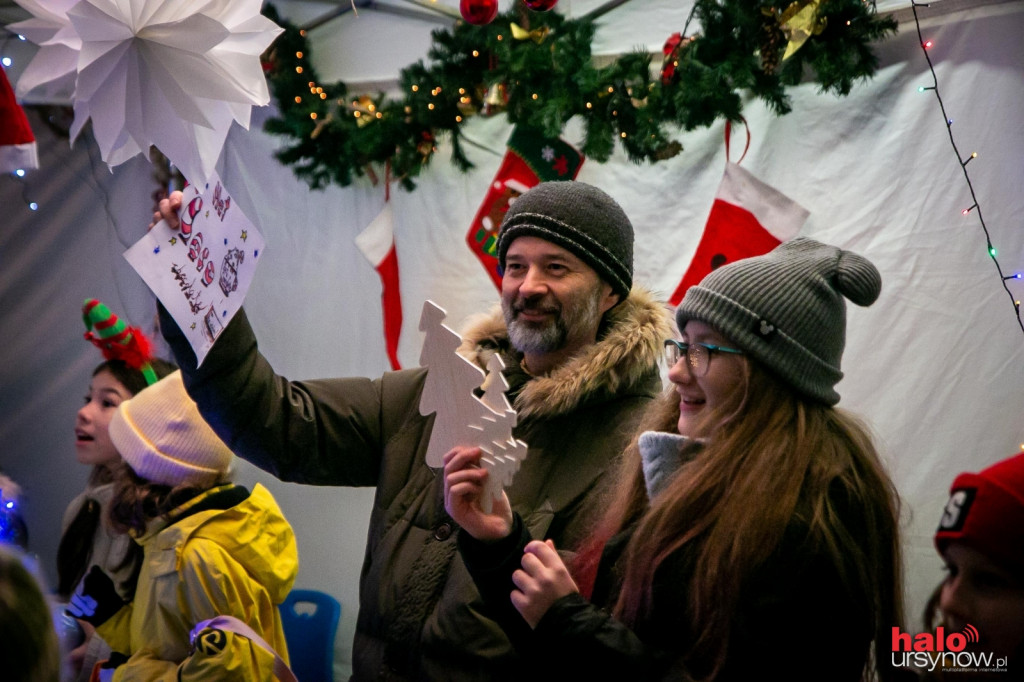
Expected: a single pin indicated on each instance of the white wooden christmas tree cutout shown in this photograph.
(504, 452)
(463, 418)
(448, 390)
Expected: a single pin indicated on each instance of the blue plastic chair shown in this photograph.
(310, 619)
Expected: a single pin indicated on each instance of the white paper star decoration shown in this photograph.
(54, 76)
(169, 73)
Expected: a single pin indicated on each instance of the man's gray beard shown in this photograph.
(552, 336)
(527, 338)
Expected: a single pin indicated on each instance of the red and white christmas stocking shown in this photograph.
(377, 242)
(748, 218)
(17, 144)
(531, 159)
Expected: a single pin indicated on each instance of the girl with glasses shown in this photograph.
(754, 527)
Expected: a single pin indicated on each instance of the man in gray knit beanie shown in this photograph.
(787, 310)
(581, 231)
(578, 217)
(580, 348)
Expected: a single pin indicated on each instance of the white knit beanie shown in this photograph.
(163, 438)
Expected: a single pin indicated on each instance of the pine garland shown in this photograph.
(545, 80)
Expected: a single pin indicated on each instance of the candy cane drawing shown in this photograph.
(189, 216)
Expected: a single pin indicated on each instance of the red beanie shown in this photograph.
(986, 511)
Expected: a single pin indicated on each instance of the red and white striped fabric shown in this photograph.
(17, 144)
(377, 243)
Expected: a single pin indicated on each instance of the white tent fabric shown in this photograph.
(935, 366)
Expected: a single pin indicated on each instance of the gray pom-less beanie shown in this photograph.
(580, 218)
(786, 309)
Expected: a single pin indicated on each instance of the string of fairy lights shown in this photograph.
(975, 207)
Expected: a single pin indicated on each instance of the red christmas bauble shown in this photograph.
(540, 5)
(479, 12)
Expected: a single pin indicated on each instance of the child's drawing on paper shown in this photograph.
(201, 271)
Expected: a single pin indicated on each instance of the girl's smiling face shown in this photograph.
(699, 396)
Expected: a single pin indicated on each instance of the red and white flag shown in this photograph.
(17, 144)
(377, 243)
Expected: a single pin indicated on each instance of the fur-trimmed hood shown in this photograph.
(626, 355)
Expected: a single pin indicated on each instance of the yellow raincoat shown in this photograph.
(208, 561)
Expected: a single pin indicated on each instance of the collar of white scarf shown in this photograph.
(662, 454)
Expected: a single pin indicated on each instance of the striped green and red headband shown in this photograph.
(117, 340)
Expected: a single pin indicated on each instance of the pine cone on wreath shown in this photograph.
(772, 40)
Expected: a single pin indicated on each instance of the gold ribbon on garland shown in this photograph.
(799, 22)
(537, 35)
(366, 109)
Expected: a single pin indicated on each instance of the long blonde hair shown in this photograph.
(773, 458)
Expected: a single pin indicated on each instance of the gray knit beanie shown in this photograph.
(786, 309)
(580, 218)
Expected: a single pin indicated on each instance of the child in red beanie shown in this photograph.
(981, 540)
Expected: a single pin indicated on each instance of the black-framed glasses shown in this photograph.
(698, 355)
